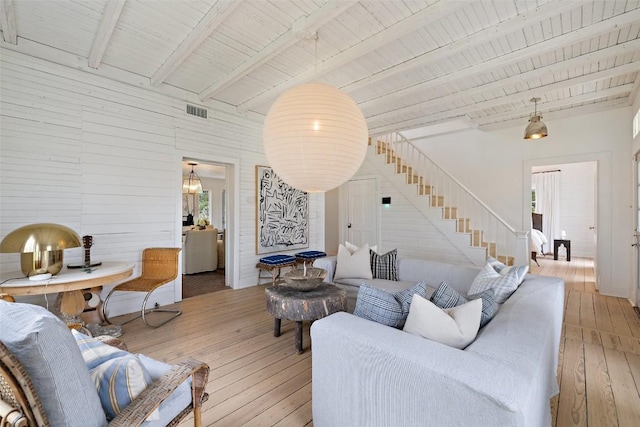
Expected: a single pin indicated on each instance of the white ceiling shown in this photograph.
(204, 170)
(408, 63)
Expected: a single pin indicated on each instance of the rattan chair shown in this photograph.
(20, 404)
(159, 266)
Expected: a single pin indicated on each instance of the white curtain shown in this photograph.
(547, 187)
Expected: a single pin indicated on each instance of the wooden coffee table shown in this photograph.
(290, 304)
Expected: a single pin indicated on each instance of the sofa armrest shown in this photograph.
(151, 398)
(329, 264)
(367, 374)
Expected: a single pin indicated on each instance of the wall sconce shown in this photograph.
(536, 129)
(40, 247)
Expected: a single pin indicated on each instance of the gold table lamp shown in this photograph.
(40, 246)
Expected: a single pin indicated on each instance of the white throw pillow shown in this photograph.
(353, 266)
(456, 327)
(353, 248)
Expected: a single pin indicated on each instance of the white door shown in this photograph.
(362, 216)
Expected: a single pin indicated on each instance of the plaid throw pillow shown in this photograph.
(521, 270)
(447, 297)
(384, 307)
(488, 278)
(384, 266)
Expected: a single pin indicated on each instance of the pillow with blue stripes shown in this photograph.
(119, 376)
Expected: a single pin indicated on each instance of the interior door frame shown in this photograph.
(604, 242)
(344, 204)
(232, 238)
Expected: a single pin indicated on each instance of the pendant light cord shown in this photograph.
(315, 75)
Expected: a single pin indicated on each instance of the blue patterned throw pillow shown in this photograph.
(384, 307)
(521, 270)
(489, 278)
(447, 297)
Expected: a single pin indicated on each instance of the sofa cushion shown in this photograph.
(489, 278)
(119, 380)
(456, 327)
(521, 270)
(49, 354)
(353, 265)
(384, 266)
(446, 297)
(386, 308)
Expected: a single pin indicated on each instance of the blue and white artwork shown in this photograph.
(282, 214)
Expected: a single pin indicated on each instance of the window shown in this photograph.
(533, 200)
(204, 205)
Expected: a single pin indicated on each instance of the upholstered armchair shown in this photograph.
(200, 251)
(51, 376)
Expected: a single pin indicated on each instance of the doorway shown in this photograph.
(565, 194)
(205, 229)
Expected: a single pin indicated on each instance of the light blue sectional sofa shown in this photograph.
(367, 374)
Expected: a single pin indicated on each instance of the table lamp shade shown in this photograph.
(40, 246)
(315, 137)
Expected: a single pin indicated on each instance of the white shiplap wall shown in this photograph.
(404, 227)
(104, 158)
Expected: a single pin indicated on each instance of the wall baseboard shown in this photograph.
(637, 310)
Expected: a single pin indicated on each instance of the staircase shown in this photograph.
(467, 222)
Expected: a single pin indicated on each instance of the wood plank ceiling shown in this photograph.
(408, 63)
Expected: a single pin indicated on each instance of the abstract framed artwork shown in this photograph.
(282, 214)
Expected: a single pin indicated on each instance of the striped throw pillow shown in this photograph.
(384, 266)
(119, 381)
(94, 352)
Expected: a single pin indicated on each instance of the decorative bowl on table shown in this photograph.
(305, 279)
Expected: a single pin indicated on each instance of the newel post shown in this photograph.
(523, 254)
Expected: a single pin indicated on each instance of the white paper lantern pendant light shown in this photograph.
(315, 137)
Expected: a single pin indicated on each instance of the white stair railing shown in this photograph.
(486, 228)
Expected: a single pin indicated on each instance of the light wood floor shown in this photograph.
(259, 380)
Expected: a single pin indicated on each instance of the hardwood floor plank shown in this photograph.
(603, 321)
(632, 319)
(618, 321)
(601, 408)
(624, 388)
(572, 406)
(634, 365)
(587, 312)
(572, 316)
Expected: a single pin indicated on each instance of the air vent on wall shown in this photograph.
(196, 111)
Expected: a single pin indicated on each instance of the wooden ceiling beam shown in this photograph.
(537, 49)
(8, 22)
(401, 28)
(303, 26)
(110, 16)
(207, 25)
(572, 63)
(456, 112)
(518, 22)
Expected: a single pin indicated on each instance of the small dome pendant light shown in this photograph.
(536, 129)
